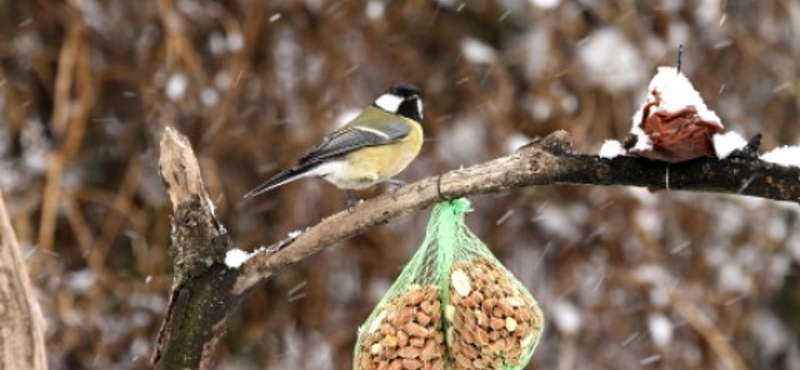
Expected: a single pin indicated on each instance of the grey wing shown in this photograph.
(349, 139)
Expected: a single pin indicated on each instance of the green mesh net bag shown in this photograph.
(454, 306)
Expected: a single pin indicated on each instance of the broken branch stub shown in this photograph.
(201, 298)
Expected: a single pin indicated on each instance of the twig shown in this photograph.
(67, 60)
(81, 229)
(661, 279)
(710, 332)
(178, 45)
(239, 64)
(122, 206)
(69, 123)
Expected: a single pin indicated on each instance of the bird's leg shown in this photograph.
(394, 184)
(350, 199)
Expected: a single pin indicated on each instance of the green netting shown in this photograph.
(454, 306)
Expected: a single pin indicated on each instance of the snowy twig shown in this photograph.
(74, 97)
(549, 161)
(207, 289)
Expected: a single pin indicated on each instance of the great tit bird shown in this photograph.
(372, 148)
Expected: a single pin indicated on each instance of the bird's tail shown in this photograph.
(283, 178)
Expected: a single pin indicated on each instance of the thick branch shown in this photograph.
(206, 291)
(22, 328)
(201, 297)
(549, 161)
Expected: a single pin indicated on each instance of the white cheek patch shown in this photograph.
(389, 102)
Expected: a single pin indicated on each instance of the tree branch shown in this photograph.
(549, 161)
(206, 291)
(22, 329)
(201, 298)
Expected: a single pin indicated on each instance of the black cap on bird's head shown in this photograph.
(402, 99)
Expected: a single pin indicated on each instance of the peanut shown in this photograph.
(490, 315)
(407, 334)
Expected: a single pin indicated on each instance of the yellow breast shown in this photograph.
(369, 166)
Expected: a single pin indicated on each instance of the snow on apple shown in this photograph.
(673, 124)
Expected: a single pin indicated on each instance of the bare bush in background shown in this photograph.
(87, 86)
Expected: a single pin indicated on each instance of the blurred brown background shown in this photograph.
(629, 279)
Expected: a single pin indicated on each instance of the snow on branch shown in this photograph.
(212, 277)
(547, 161)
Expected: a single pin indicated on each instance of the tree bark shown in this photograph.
(201, 297)
(22, 329)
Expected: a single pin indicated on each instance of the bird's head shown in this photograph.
(401, 99)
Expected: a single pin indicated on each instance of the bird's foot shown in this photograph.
(394, 184)
(350, 200)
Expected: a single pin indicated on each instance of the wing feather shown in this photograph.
(355, 137)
